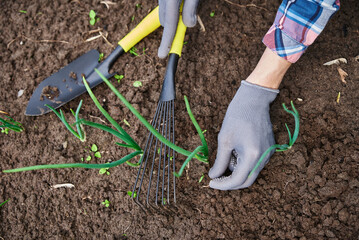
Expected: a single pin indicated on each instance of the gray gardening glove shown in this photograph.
(169, 11)
(245, 134)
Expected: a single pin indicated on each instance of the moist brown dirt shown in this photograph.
(309, 192)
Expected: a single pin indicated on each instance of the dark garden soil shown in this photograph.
(309, 192)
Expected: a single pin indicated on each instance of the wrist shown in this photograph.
(269, 71)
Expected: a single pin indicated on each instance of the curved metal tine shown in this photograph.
(159, 164)
(173, 152)
(163, 201)
(152, 166)
(169, 155)
(158, 125)
(149, 138)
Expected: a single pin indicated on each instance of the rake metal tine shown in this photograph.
(154, 158)
(150, 136)
(173, 151)
(148, 153)
(169, 152)
(159, 162)
(164, 155)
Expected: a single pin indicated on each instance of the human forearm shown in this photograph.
(269, 71)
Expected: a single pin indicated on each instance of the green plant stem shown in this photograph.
(198, 149)
(198, 128)
(63, 119)
(76, 165)
(1, 204)
(144, 121)
(108, 117)
(282, 147)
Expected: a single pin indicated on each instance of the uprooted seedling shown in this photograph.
(77, 129)
(282, 147)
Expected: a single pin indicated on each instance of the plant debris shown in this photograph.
(342, 74)
(336, 61)
(63, 185)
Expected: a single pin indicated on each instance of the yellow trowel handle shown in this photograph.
(150, 23)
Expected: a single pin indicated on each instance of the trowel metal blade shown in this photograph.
(64, 85)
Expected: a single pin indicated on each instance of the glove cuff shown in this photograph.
(252, 101)
(255, 94)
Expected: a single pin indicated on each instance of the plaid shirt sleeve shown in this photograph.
(297, 24)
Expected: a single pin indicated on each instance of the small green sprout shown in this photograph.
(184, 43)
(5, 130)
(88, 158)
(93, 18)
(106, 203)
(22, 11)
(100, 58)
(283, 147)
(1, 204)
(201, 178)
(129, 193)
(144, 51)
(132, 18)
(103, 171)
(98, 154)
(211, 14)
(164, 201)
(138, 5)
(118, 77)
(125, 121)
(137, 84)
(133, 51)
(204, 131)
(94, 148)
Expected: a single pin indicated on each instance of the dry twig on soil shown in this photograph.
(107, 3)
(245, 6)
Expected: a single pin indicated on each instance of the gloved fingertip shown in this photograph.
(190, 21)
(164, 49)
(220, 183)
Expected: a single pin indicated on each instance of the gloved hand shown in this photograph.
(245, 134)
(169, 15)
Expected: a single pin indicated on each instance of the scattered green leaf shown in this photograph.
(211, 14)
(88, 158)
(93, 19)
(94, 148)
(133, 51)
(100, 58)
(137, 84)
(98, 154)
(106, 203)
(22, 11)
(129, 193)
(132, 18)
(201, 178)
(125, 121)
(184, 43)
(104, 171)
(118, 77)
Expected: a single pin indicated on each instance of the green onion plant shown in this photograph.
(200, 153)
(283, 147)
(8, 123)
